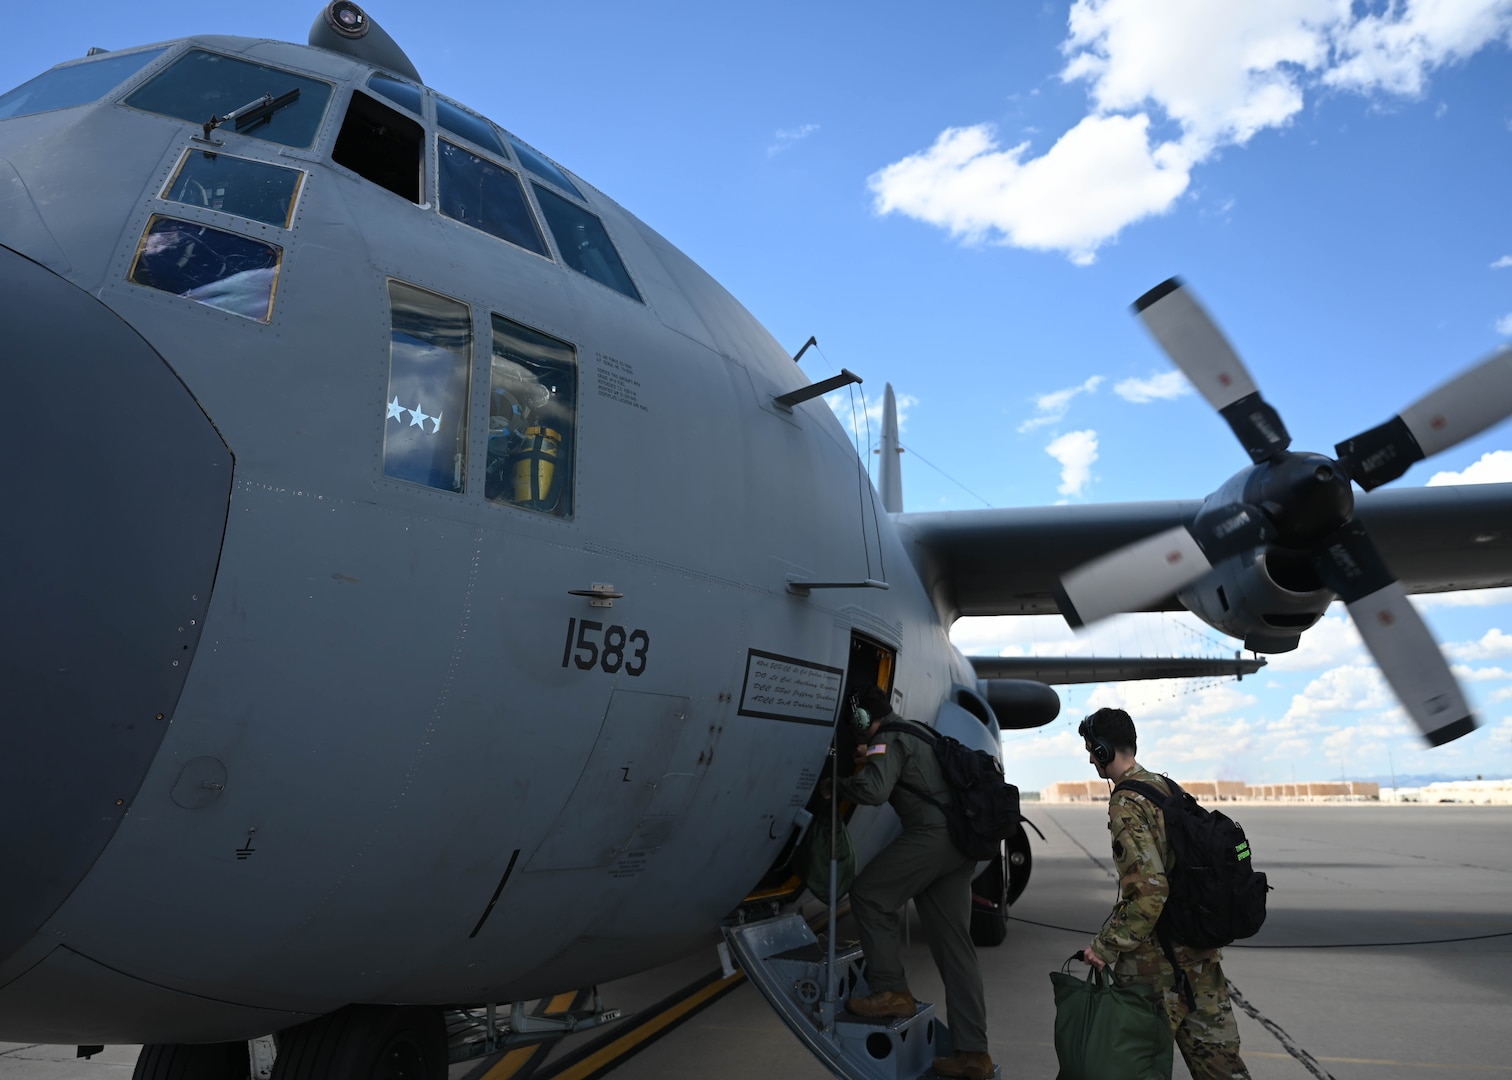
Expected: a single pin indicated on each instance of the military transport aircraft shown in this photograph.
(427, 587)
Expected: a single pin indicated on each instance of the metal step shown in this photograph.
(789, 966)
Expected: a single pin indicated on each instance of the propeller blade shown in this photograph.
(1192, 340)
(1394, 632)
(1139, 574)
(1464, 406)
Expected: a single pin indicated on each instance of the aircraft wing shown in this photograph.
(1009, 561)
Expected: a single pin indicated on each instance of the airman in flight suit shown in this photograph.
(922, 865)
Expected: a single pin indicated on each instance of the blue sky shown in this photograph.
(963, 199)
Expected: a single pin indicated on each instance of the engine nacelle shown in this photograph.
(1266, 597)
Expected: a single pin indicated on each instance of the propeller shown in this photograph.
(1302, 502)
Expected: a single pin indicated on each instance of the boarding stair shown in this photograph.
(807, 981)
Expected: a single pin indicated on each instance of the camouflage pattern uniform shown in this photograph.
(1207, 1035)
(921, 865)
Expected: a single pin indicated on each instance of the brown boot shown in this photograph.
(884, 1003)
(969, 1065)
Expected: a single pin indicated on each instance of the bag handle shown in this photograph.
(1095, 974)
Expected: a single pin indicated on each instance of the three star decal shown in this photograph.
(418, 418)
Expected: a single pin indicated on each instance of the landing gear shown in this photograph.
(997, 887)
(180, 1061)
(989, 904)
(366, 1042)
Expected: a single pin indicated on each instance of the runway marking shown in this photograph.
(516, 1059)
(1389, 1063)
(658, 1022)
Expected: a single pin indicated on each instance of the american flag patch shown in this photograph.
(880, 748)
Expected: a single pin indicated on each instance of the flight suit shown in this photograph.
(1207, 1035)
(922, 865)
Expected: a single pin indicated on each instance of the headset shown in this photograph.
(860, 719)
(1102, 749)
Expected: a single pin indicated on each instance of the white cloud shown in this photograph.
(1396, 50)
(1051, 408)
(1468, 598)
(1218, 74)
(1343, 689)
(1165, 386)
(1504, 325)
(1492, 645)
(1101, 175)
(856, 419)
(788, 136)
(1332, 642)
(1466, 673)
(1076, 451)
(1502, 263)
(1494, 467)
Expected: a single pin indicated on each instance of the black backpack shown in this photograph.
(1217, 896)
(983, 810)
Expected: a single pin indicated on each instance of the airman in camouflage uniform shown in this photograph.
(1207, 1035)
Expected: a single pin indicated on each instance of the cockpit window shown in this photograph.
(405, 95)
(543, 168)
(233, 185)
(381, 145)
(584, 244)
(468, 125)
(425, 429)
(77, 84)
(532, 403)
(200, 85)
(486, 196)
(211, 266)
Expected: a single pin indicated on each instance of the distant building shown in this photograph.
(1210, 791)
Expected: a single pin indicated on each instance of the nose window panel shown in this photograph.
(532, 403)
(468, 125)
(210, 266)
(202, 84)
(486, 196)
(543, 168)
(584, 244)
(233, 185)
(77, 84)
(425, 426)
(403, 94)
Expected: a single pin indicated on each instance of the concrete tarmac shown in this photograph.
(1368, 965)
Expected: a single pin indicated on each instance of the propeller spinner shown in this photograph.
(1301, 502)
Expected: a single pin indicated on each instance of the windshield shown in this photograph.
(201, 85)
(77, 84)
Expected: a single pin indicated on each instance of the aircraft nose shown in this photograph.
(112, 513)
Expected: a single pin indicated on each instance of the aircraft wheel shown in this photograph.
(366, 1042)
(989, 904)
(180, 1061)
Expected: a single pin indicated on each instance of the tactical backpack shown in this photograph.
(983, 810)
(1217, 896)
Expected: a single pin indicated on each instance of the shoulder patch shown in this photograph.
(879, 748)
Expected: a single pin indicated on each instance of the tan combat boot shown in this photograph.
(884, 1003)
(968, 1065)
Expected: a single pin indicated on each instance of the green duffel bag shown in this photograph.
(812, 859)
(1108, 1029)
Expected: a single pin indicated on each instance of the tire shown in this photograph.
(1020, 865)
(180, 1061)
(989, 905)
(366, 1042)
